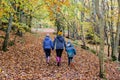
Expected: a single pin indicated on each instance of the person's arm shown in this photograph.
(54, 43)
(74, 51)
(64, 43)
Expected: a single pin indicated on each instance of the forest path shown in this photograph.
(26, 61)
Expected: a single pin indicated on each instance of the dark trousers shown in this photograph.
(69, 60)
(59, 52)
(47, 52)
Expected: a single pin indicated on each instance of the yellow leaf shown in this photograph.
(0, 70)
(1, 13)
(66, 2)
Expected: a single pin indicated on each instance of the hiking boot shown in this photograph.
(58, 64)
(68, 64)
(48, 64)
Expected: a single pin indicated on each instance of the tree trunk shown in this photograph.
(0, 24)
(112, 33)
(0, 19)
(119, 50)
(118, 34)
(107, 31)
(115, 49)
(63, 31)
(101, 27)
(73, 30)
(119, 56)
(82, 31)
(4, 47)
(82, 35)
(21, 16)
(20, 33)
(68, 31)
(116, 41)
(26, 18)
(57, 25)
(30, 21)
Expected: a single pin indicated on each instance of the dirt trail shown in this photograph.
(26, 61)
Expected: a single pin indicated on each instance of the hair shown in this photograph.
(60, 32)
(47, 35)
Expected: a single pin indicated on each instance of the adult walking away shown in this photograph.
(47, 46)
(59, 45)
(70, 51)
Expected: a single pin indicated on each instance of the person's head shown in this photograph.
(69, 43)
(60, 33)
(47, 35)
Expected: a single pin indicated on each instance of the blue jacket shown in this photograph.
(70, 51)
(47, 43)
(59, 43)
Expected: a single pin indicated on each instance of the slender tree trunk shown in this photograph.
(0, 19)
(116, 41)
(30, 19)
(20, 33)
(119, 50)
(77, 33)
(119, 56)
(82, 31)
(94, 20)
(82, 36)
(73, 31)
(108, 46)
(112, 33)
(63, 31)
(57, 25)
(107, 29)
(101, 52)
(21, 16)
(4, 47)
(110, 43)
(101, 27)
(0, 24)
(118, 33)
(68, 31)
(26, 20)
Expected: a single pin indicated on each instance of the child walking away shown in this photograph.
(59, 45)
(70, 51)
(47, 46)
